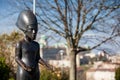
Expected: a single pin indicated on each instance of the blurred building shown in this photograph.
(102, 71)
(60, 63)
(85, 58)
(115, 58)
(56, 56)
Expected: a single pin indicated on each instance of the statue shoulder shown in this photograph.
(36, 43)
(19, 43)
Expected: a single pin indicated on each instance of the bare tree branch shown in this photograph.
(78, 17)
(104, 41)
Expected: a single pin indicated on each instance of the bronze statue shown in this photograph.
(27, 50)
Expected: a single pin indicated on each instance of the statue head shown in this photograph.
(27, 22)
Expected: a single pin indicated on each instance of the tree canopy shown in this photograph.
(79, 22)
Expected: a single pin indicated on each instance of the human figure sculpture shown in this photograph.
(27, 50)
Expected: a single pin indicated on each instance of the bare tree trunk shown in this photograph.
(72, 75)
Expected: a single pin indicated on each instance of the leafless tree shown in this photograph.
(79, 22)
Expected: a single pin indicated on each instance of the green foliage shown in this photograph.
(56, 75)
(11, 79)
(117, 74)
(47, 75)
(7, 44)
(65, 76)
(4, 70)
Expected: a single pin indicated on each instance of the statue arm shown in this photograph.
(40, 60)
(18, 56)
(48, 66)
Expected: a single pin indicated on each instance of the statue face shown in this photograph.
(31, 31)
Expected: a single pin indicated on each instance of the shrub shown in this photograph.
(4, 70)
(117, 74)
(48, 75)
(65, 76)
(7, 62)
(56, 75)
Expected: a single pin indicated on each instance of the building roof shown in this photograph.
(51, 53)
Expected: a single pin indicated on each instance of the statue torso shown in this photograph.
(30, 53)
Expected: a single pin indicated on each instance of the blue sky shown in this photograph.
(7, 19)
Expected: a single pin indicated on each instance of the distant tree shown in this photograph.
(117, 74)
(8, 41)
(78, 22)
